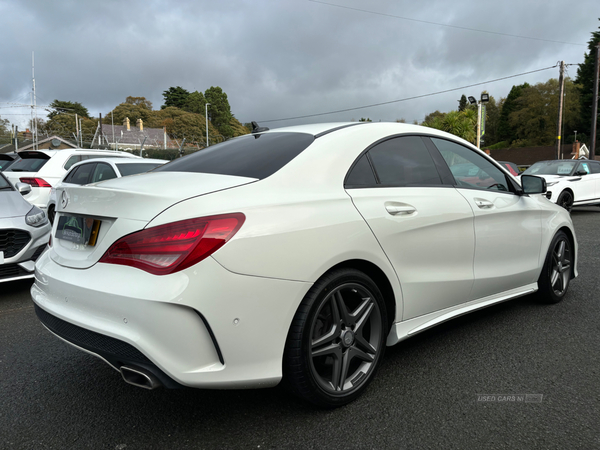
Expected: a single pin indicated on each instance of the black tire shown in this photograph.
(336, 340)
(51, 214)
(557, 271)
(565, 199)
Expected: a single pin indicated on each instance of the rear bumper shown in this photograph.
(202, 327)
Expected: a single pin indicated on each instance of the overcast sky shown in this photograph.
(277, 59)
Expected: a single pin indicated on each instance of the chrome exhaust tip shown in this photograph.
(139, 377)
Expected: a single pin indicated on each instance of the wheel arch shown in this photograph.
(380, 279)
(571, 237)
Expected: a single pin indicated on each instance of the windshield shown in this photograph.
(28, 165)
(564, 168)
(132, 169)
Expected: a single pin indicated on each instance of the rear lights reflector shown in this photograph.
(35, 182)
(174, 246)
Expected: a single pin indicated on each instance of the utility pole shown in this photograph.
(100, 138)
(77, 129)
(561, 90)
(33, 104)
(595, 103)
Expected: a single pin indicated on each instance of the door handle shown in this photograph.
(400, 210)
(483, 204)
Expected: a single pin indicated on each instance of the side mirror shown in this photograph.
(23, 188)
(581, 172)
(533, 185)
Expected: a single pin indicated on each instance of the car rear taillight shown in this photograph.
(175, 246)
(35, 182)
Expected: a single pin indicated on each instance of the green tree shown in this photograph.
(362, 119)
(219, 111)
(60, 106)
(130, 110)
(4, 126)
(462, 103)
(585, 82)
(534, 117)
(429, 118)
(64, 125)
(195, 103)
(507, 132)
(460, 123)
(139, 101)
(492, 120)
(175, 96)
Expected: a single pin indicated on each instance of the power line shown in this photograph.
(443, 24)
(409, 98)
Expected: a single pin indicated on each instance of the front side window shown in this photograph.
(404, 161)
(471, 170)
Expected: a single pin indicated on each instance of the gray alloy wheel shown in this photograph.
(556, 274)
(336, 340)
(565, 199)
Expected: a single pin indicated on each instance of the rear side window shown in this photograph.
(594, 166)
(4, 184)
(72, 160)
(28, 165)
(361, 174)
(80, 174)
(253, 156)
(404, 161)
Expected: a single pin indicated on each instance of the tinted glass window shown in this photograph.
(102, 172)
(28, 165)
(470, 169)
(72, 160)
(70, 175)
(404, 161)
(82, 174)
(4, 184)
(361, 174)
(595, 167)
(132, 169)
(254, 156)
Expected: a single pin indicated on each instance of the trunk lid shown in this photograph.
(123, 206)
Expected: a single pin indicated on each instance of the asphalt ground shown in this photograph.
(428, 392)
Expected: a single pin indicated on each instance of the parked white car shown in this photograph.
(101, 169)
(42, 169)
(294, 254)
(24, 232)
(570, 182)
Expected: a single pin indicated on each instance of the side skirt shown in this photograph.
(408, 328)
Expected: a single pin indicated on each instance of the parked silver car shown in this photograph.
(24, 232)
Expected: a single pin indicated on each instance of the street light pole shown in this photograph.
(206, 117)
(479, 124)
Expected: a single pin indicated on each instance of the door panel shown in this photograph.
(508, 241)
(427, 234)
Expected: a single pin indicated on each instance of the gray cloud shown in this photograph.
(283, 58)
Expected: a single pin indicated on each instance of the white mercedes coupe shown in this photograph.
(295, 254)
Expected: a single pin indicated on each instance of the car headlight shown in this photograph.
(36, 217)
(552, 183)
